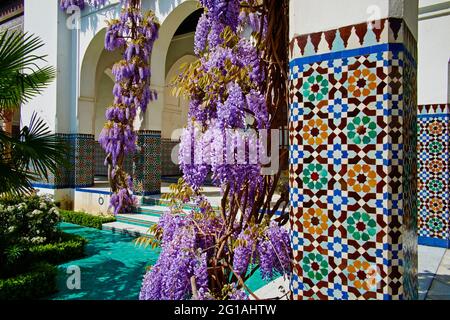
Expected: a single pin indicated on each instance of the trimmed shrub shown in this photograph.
(37, 283)
(30, 246)
(19, 258)
(85, 219)
(25, 221)
(28, 220)
(70, 248)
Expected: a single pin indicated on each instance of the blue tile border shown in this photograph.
(433, 115)
(145, 194)
(434, 242)
(107, 193)
(393, 47)
(57, 187)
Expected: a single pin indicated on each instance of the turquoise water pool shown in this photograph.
(113, 267)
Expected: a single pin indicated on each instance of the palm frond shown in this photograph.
(21, 78)
(13, 180)
(39, 150)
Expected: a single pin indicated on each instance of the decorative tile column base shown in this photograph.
(169, 168)
(80, 172)
(100, 156)
(353, 129)
(147, 164)
(434, 175)
(84, 160)
(64, 177)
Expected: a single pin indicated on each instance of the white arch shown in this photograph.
(175, 109)
(158, 60)
(87, 84)
(91, 45)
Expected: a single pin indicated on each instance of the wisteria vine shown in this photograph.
(207, 252)
(133, 32)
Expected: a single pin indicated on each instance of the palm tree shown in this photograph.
(34, 153)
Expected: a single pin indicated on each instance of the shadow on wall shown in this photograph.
(91, 15)
(163, 7)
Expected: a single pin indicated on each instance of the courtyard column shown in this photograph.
(54, 104)
(84, 142)
(434, 125)
(434, 175)
(147, 163)
(353, 158)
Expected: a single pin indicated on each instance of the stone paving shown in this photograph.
(440, 287)
(434, 277)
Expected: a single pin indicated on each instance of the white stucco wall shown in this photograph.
(90, 43)
(104, 99)
(47, 30)
(434, 54)
(308, 16)
(175, 111)
(68, 105)
(180, 46)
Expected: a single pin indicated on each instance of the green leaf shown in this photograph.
(30, 157)
(21, 76)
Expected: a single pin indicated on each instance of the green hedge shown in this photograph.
(85, 219)
(38, 282)
(70, 248)
(65, 247)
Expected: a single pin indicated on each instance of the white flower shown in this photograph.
(38, 240)
(54, 210)
(36, 212)
(43, 205)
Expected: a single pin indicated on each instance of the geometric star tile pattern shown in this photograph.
(80, 161)
(169, 168)
(353, 120)
(84, 160)
(147, 163)
(434, 175)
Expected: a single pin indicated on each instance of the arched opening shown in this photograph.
(174, 110)
(160, 64)
(95, 95)
(174, 118)
(174, 47)
(88, 85)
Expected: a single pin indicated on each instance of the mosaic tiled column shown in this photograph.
(81, 164)
(147, 163)
(434, 175)
(353, 122)
(84, 160)
(100, 155)
(169, 168)
(65, 176)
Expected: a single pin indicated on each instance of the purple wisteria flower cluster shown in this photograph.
(232, 66)
(134, 33)
(209, 253)
(187, 248)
